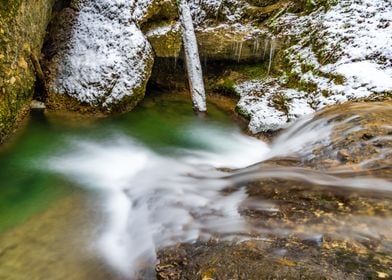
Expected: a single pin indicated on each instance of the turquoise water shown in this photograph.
(159, 122)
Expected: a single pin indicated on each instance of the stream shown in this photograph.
(85, 199)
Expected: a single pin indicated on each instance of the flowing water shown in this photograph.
(98, 200)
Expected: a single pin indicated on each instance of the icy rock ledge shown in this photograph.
(107, 61)
(269, 106)
(339, 55)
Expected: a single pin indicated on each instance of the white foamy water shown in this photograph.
(154, 200)
(151, 200)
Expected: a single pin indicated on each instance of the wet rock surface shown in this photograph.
(38, 249)
(360, 139)
(309, 230)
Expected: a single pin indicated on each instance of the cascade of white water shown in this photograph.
(192, 59)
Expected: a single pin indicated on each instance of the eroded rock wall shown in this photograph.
(22, 30)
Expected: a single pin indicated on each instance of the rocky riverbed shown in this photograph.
(312, 79)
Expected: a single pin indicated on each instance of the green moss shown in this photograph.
(8, 8)
(224, 87)
(272, 21)
(22, 30)
(310, 5)
(242, 112)
(255, 71)
(339, 80)
(280, 102)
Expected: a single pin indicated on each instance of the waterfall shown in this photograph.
(192, 59)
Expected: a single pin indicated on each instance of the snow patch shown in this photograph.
(352, 39)
(269, 106)
(229, 11)
(341, 54)
(163, 30)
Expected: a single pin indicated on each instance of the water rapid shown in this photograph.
(158, 198)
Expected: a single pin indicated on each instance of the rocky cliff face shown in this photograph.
(22, 30)
(283, 58)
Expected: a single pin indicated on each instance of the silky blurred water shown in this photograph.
(160, 176)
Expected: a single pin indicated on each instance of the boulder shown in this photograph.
(98, 60)
(22, 30)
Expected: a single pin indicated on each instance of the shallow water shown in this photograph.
(33, 184)
(99, 199)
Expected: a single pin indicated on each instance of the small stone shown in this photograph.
(12, 80)
(22, 63)
(343, 155)
(35, 104)
(286, 262)
(382, 275)
(367, 136)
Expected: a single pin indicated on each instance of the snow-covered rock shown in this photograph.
(334, 55)
(107, 60)
(269, 106)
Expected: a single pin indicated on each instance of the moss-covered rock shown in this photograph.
(261, 3)
(22, 31)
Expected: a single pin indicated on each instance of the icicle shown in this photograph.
(256, 46)
(192, 58)
(265, 48)
(240, 51)
(236, 46)
(272, 51)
